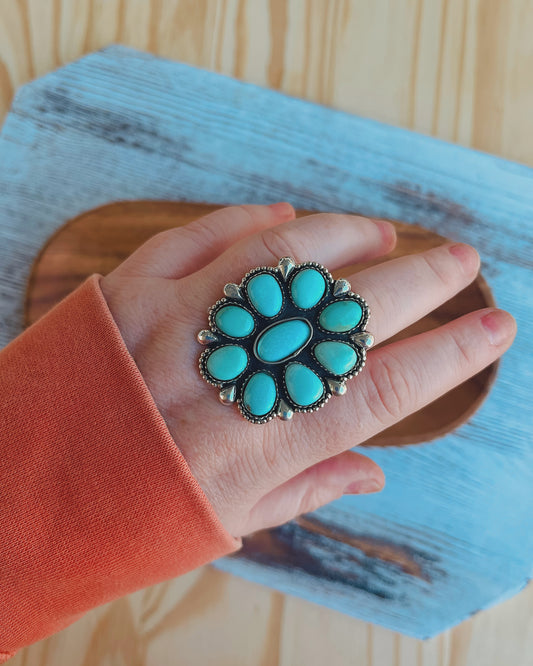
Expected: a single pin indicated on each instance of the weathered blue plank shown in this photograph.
(125, 125)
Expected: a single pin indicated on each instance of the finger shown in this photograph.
(346, 473)
(401, 291)
(177, 252)
(327, 238)
(398, 379)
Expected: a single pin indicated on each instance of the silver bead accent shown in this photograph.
(341, 287)
(285, 413)
(363, 339)
(285, 265)
(205, 337)
(232, 290)
(227, 395)
(337, 388)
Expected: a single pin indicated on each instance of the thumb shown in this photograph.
(346, 473)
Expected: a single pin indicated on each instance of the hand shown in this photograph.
(258, 476)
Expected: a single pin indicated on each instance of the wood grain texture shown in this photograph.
(161, 130)
(99, 240)
(210, 618)
(456, 69)
(280, 629)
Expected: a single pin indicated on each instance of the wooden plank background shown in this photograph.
(458, 70)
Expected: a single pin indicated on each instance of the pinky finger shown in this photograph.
(346, 473)
(178, 251)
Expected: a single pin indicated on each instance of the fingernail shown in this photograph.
(363, 486)
(388, 231)
(282, 208)
(499, 326)
(467, 255)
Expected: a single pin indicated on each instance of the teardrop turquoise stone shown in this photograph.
(307, 288)
(265, 295)
(227, 362)
(337, 357)
(341, 316)
(303, 385)
(282, 340)
(260, 394)
(234, 321)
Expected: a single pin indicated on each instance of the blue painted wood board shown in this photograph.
(120, 124)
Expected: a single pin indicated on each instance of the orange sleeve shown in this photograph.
(96, 500)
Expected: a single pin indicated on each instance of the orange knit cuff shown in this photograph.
(96, 500)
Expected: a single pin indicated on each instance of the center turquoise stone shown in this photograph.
(283, 340)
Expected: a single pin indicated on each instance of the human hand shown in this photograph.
(258, 476)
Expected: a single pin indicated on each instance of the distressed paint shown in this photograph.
(452, 531)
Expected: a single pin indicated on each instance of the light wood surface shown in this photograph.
(210, 618)
(457, 69)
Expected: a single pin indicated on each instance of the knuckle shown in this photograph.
(277, 243)
(157, 241)
(433, 265)
(315, 495)
(201, 234)
(197, 236)
(235, 214)
(463, 350)
(388, 393)
(204, 231)
(244, 211)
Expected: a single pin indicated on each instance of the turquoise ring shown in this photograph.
(284, 340)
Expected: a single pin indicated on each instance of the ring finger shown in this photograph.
(402, 291)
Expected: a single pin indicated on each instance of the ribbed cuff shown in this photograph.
(100, 501)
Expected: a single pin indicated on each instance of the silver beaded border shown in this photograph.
(361, 360)
(202, 364)
(324, 272)
(349, 296)
(251, 417)
(326, 395)
(212, 313)
(274, 271)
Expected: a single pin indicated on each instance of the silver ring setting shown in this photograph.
(284, 340)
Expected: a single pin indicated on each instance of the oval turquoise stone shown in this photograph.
(265, 295)
(303, 385)
(227, 362)
(337, 357)
(234, 321)
(341, 316)
(307, 288)
(259, 394)
(282, 340)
